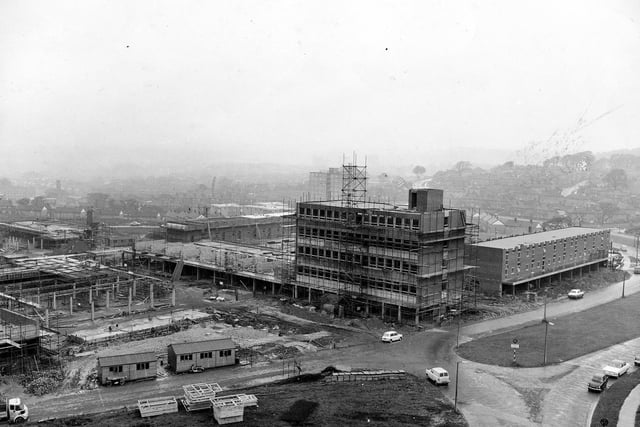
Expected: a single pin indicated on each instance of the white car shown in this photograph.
(391, 336)
(575, 293)
(616, 369)
(438, 375)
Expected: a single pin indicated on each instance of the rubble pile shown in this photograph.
(41, 383)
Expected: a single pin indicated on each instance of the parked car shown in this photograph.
(616, 368)
(576, 293)
(438, 376)
(391, 336)
(636, 360)
(598, 383)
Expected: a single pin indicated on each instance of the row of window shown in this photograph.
(387, 285)
(374, 283)
(205, 355)
(344, 236)
(365, 261)
(139, 367)
(367, 218)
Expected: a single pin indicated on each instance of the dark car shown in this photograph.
(598, 383)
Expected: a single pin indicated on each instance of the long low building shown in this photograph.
(202, 354)
(127, 367)
(522, 262)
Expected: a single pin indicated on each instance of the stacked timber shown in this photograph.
(366, 376)
(230, 409)
(198, 396)
(157, 406)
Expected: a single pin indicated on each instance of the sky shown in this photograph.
(88, 85)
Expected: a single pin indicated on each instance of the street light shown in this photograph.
(546, 329)
(455, 399)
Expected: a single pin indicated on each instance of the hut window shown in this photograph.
(186, 357)
(142, 366)
(115, 368)
(225, 353)
(206, 355)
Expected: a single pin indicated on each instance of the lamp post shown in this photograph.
(546, 330)
(455, 399)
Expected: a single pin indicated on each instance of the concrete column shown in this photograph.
(134, 288)
(129, 308)
(273, 288)
(417, 317)
(309, 294)
(54, 301)
(295, 291)
(382, 312)
(90, 295)
(113, 291)
(366, 308)
(9, 304)
(46, 317)
(71, 305)
(151, 294)
(74, 291)
(38, 298)
(93, 314)
(254, 286)
(399, 313)
(173, 297)
(108, 299)
(197, 273)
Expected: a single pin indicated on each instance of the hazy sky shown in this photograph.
(89, 83)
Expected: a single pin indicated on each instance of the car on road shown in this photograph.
(575, 293)
(391, 336)
(598, 383)
(616, 369)
(438, 375)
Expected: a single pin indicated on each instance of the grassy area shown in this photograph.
(612, 399)
(406, 402)
(570, 336)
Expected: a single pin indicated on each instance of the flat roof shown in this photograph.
(532, 239)
(127, 359)
(200, 346)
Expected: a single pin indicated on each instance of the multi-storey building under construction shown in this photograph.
(380, 258)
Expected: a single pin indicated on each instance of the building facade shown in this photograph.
(325, 185)
(203, 354)
(250, 229)
(522, 262)
(404, 262)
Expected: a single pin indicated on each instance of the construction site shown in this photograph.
(340, 271)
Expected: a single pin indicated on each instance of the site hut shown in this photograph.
(517, 264)
(203, 354)
(127, 367)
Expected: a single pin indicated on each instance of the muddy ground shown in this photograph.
(314, 402)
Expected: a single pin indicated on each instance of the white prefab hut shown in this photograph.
(202, 354)
(127, 367)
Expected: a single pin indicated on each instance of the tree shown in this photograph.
(607, 210)
(616, 178)
(462, 166)
(419, 170)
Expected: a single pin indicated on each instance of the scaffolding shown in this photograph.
(354, 183)
(471, 284)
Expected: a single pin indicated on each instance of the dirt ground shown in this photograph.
(312, 401)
